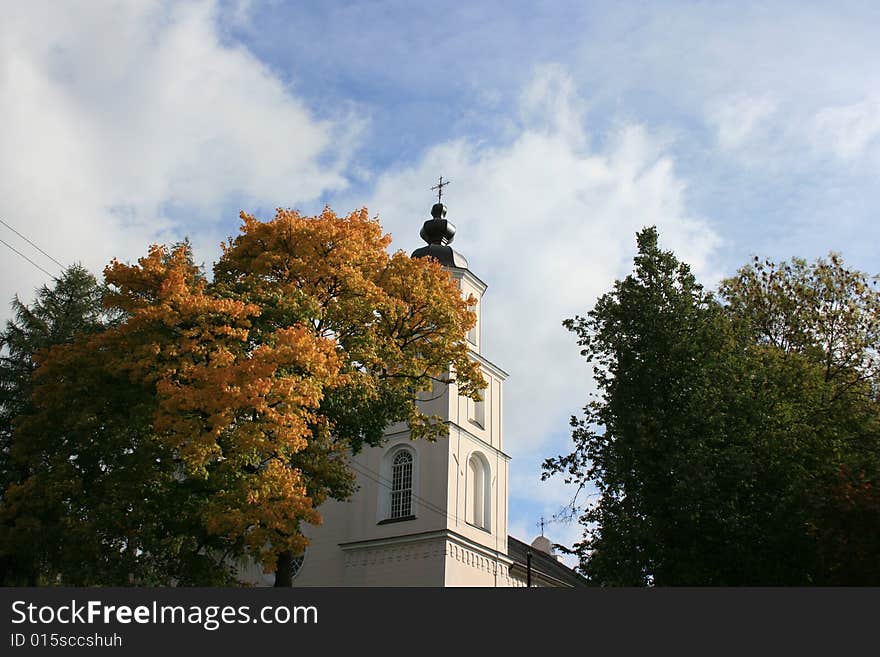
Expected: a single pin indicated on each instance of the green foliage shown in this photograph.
(59, 314)
(89, 497)
(722, 427)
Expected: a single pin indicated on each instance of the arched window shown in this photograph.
(477, 496)
(401, 484)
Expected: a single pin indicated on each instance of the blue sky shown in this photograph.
(738, 128)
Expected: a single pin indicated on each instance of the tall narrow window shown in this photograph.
(477, 410)
(472, 332)
(477, 492)
(401, 484)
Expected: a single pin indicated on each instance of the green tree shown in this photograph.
(825, 318)
(70, 308)
(716, 450)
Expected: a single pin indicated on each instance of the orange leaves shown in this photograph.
(227, 397)
(229, 403)
(314, 255)
(265, 509)
(426, 319)
(158, 276)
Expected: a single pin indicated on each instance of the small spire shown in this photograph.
(438, 230)
(439, 187)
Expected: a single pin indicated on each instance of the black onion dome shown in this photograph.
(438, 232)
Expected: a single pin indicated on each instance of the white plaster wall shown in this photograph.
(358, 519)
(416, 563)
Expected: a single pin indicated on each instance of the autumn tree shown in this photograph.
(242, 396)
(396, 324)
(723, 425)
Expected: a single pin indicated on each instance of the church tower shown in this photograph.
(426, 513)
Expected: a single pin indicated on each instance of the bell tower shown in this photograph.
(426, 513)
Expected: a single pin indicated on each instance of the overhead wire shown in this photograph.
(12, 248)
(32, 244)
(379, 479)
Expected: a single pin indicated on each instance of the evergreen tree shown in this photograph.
(70, 308)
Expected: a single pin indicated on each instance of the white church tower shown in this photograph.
(426, 513)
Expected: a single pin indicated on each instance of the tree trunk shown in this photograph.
(284, 569)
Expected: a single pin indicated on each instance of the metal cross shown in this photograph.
(541, 524)
(439, 187)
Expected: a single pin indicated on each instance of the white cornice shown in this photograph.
(427, 537)
(470, 276)
(489, 365)
(504, 455)
(405, 431)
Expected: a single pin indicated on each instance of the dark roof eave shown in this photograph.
(447, 256)
(543, 563)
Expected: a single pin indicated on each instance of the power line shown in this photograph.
(32, 244)
(28, 259)
(369, 473)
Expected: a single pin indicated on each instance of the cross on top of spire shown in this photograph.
(439, 187)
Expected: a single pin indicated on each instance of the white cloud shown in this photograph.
(117, 116)
(847, 131)
(759, 132)
(548, 223)
(550, 102)
(739, 119)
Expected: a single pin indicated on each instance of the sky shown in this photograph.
(737, 128)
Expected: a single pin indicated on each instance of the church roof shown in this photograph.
(545, 567)
(447, 256)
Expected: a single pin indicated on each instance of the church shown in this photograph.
(433, 513)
